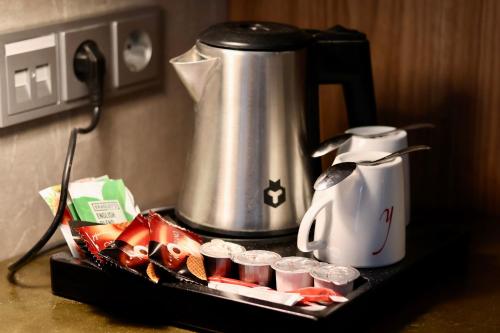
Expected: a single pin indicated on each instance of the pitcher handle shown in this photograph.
(305, 227)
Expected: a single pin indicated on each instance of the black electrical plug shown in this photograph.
(89, 65)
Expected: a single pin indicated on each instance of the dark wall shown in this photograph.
(433, 61)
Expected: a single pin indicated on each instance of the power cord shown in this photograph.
(89, 66)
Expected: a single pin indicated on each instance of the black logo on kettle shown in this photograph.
(275, 194)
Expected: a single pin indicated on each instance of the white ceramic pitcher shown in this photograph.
(360, 221)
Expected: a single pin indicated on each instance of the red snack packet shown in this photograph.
(318, 295)
(98, 237)
(130, 248)
(175, 249)
(74, 225)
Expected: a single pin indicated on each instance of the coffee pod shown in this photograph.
(255, 266)
(217, 256)
(338, 278)
(293, 273)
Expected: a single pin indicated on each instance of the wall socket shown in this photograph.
(37, 76)
(69, 41)
(135, 43)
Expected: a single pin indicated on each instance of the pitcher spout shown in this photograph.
(194, 70)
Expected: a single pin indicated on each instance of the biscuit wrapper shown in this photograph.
(99, 236)
(74, 225)
(130, 249)
(175, 250)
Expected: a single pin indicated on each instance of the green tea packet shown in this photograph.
(103, 201)
(51, 195)
(113, 191)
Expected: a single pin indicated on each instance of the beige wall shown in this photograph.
(141, 138)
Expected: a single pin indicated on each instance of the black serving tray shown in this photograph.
(431, 247)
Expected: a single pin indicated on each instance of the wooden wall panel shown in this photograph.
(436, 61)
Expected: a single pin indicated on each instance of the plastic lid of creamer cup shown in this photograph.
(294, 265)
(339, 275)
(256, 258)
(217, 248)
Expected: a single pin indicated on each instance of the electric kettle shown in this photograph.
(255, 87)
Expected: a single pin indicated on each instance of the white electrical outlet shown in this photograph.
(136, 49)
(38, 62)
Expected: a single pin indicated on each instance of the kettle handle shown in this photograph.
(340, 55)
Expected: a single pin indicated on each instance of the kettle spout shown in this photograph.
(194, 70)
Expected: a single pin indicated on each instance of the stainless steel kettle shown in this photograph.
(255, 85)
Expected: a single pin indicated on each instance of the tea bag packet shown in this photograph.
(175, 250)
(130, 248)
(103, 201)
(51, 196)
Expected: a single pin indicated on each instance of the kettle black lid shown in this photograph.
(255, 36)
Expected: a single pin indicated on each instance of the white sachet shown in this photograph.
(262, 293)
